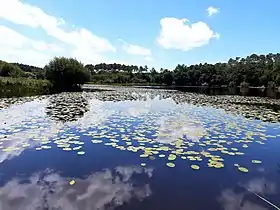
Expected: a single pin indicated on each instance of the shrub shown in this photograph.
(66, 73)
(15, 87)
(10, 70)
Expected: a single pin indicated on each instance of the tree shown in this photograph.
(66, 73)
(167, 77)
(10, 70)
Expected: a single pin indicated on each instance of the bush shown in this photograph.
(10, 70)
(15, 87)
(66, 73)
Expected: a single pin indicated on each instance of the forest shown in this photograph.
(254, 70)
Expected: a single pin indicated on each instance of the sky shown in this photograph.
(156, 33)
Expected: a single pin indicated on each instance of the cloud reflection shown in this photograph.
(22, 126)
(175, 127)
(102, 190)
(245, 200)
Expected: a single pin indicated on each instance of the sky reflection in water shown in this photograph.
(103, 148)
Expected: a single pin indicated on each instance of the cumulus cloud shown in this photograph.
(136, 50)
(14, 47)
(80, 41)
(212, 10)
(181, 35)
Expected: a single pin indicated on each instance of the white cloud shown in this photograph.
(136, 50)
(148, 58)
(14, 47)
(82, 43)
(176, 34)
(212, 10)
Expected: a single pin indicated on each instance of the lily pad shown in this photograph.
(256, 161)
(171, 165)
(72, 182)
(243, 169)
(171, 157)
(195, 167)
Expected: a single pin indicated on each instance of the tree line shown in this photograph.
(254, 70)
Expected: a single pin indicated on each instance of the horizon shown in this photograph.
(137, 33)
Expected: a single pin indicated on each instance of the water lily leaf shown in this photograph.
(243, 169)
(195, 167)
(143, 164)
(171, 165)
(171, 157)
(81, 153)
(72, 182)
(256, 161)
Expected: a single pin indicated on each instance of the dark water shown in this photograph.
(114, 153)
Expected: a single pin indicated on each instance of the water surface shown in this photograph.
(134, 150)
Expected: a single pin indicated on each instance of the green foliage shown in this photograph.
(12, 87)
(31, 71)
(66, 73)
(167, 78)
(257, 70)
(10, 70)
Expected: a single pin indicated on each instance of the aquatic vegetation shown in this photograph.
(72, 182)
(67, 107)
(171, 165)
(195, 167)
(243, 169)
(256, 161)
(165, 127)
(52, 190)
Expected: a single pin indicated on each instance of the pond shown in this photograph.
(139, 149)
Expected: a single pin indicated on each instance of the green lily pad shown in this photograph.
(195, 167)
(243, 169)
(171, 165)
(72, 182)
(256, 161)
(171, 157)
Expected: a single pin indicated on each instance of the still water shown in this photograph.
(95, 151)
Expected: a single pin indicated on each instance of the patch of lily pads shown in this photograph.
(202, 130)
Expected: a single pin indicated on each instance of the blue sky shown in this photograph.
(150, 32)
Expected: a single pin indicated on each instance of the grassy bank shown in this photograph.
(16, 87)
(125, 84)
